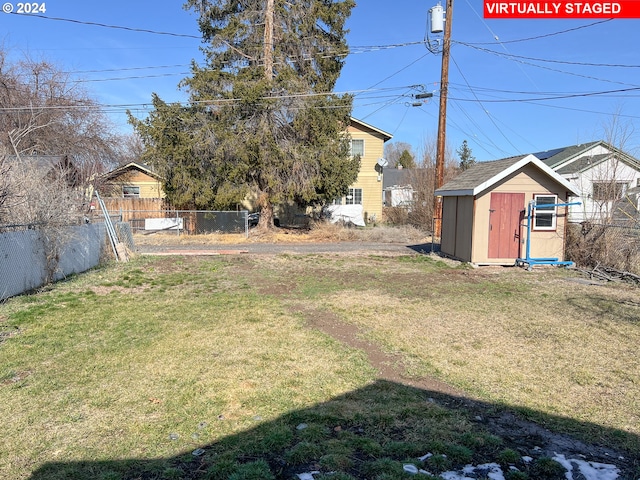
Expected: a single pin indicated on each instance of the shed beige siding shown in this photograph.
(457, 218)
(529, 181)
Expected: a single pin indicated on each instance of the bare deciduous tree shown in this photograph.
(5, 186)
(607, 234)
(422, 180)
(393, 152)
(46, 112)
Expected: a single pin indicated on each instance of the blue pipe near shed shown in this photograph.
(528, 260)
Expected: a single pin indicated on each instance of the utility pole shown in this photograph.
(442, 119)
(268, 40)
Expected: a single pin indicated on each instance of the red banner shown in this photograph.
(561, 9)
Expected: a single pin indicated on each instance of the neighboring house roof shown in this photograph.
(396, 177)
(129, 166)
(557, 156)
(386, 136)
(583, 163)
(563, 159)
(484, 175)
(50, 166)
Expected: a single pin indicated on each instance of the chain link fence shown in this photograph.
(34, 255)
(190, 222)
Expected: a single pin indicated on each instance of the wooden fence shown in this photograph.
(128, 207)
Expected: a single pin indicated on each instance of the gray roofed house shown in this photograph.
(54, 167)
(398, 186)
(607, 177)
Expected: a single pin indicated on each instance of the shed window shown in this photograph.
(354, 197)
(545, 217)
(357, 147)
(129, 191)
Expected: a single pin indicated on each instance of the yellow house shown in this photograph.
(368, 142)
(133, 180)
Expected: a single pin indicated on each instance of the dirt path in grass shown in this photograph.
(528, 437)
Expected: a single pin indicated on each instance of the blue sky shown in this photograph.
(516, 86)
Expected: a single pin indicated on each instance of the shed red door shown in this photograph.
(504, 225)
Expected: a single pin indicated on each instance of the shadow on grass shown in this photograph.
(372, 433)
(425, 248)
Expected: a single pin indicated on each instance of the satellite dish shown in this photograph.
(382, 162)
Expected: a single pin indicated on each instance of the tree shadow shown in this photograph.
(623, 310)
(373, 433)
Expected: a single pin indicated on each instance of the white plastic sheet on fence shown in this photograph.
(346, 213)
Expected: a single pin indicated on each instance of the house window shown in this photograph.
(337, 201)
(354, 197)
(545, 217)
(129, 191)
(607, 191)
(357, 147)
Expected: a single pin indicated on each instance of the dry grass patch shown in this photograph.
(537, 349)
(319, 232)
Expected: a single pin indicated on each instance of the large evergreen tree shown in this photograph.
(261, 116)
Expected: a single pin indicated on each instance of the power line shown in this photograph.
(558, 97)
(480, 103)
(117, 27)
(125, 69)
(219, 101)
(538, 37)
(546, 60)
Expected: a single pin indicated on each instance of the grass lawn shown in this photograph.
(126, 371)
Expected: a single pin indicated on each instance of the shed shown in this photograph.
(484, 211)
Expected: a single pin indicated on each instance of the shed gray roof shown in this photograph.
(479, 174)
(483, 175)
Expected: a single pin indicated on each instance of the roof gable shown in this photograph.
(484, 175)
(131, 166)
(366, 127)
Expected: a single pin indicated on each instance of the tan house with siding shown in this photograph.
(133, 180)
(484, 211)
(133, 190)
(368, 142)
